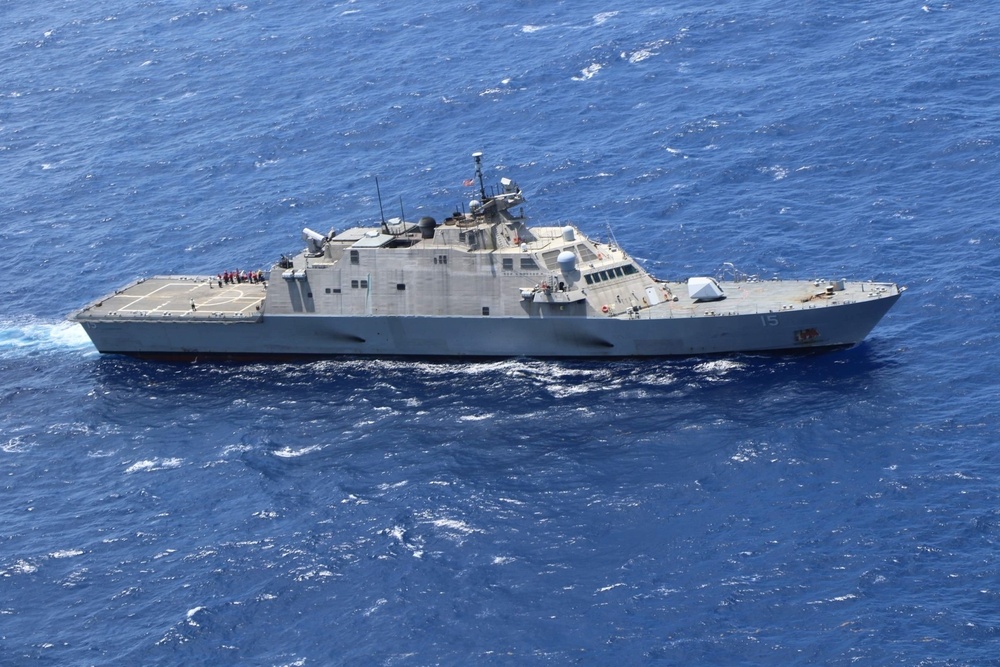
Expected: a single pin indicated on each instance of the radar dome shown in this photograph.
(567, 261)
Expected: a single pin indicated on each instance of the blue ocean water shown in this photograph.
(832, 509)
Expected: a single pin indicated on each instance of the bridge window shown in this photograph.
(508, 263)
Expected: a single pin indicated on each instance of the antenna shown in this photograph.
(385, 227)
(478, 157)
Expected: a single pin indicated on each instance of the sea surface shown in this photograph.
(834, 509)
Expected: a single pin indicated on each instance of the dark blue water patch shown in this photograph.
(832, 508)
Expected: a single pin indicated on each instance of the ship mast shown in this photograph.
(478, 157)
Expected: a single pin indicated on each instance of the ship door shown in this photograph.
(653, 295)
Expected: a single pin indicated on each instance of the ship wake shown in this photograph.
(28, 337)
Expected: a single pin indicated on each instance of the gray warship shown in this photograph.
(481, 283)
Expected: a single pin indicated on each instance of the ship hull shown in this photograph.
(315, 335)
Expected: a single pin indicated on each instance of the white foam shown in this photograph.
(640, 55)
(20, 567)
(29, 336)
(289, 453)
(839, 598)
(152, 465)
(15, 445)
(476, 418)
(611, 587)
(456, 526)
(190, 616)
(588, 72)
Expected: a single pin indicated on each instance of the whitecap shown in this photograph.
(588, 72)
(66, 553)
(152, 465)
(608, 588)
(15, 445)
(640, 55)
(191, 613)
(839, 598)
(19, 567)
(456, 526)
(289, 453)
(476, 418)
(378, 603)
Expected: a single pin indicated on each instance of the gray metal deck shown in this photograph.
(179, 298)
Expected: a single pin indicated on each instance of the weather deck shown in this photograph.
(179, 298)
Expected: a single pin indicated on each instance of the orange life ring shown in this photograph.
(604, 308)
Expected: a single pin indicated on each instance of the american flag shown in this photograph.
(468, 182)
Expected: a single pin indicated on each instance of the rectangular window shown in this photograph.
(508, 263)
(364, 284)
(528, 263)
(400, 286)
(336, 290)
(486, 310)
(354, 284)
(327, 290)
(355, 258)
(589, 278)
(551, 259)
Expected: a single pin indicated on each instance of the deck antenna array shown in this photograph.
(385, 227)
